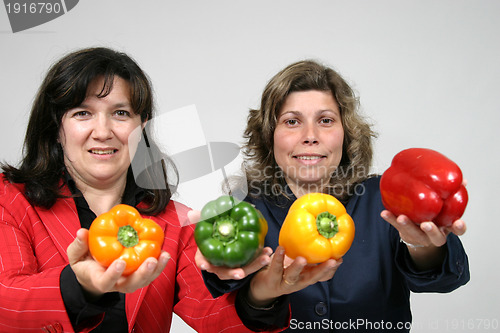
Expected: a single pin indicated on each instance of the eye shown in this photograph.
(81, 114)
(326, 121)
(291, 122)
(122, 113)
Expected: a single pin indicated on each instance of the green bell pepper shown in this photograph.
(230, 233)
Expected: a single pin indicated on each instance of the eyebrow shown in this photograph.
(298, 113)
(291, 111)
(116, 105)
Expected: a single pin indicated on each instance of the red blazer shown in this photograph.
(33, 244)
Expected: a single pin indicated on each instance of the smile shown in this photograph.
(103, 151)
(309, 158)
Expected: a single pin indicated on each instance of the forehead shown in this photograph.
(310, 100)
(102, 87)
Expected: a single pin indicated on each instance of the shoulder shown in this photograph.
(14, 205)
(11, 193)
(370, 186)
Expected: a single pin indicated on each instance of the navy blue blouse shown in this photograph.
(371, 289)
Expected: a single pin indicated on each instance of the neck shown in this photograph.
(103, 197)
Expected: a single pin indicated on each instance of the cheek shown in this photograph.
(280, 149)
(336, 140)
(283, 143)
(132, 139)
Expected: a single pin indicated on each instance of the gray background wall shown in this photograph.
(427, 73)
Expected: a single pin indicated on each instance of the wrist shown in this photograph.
(410, 245)
(259, 305)
(255, 302)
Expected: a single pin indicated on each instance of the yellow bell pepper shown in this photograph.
(317, 227)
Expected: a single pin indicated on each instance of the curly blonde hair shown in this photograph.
(261, 170)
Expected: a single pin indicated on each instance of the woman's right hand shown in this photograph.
(97, 280)
(285, 276)
(226, 273)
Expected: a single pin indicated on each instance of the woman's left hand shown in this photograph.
(426, 234)
(285, 276)
(424, 241)
(97, 280)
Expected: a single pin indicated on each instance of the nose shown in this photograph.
(102, 129)
(310, 135)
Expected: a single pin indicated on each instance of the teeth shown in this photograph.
(308, 157)
(103, 152)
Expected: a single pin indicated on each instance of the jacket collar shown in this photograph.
(61, 221)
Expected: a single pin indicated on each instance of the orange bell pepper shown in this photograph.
(123, 234)
(317, 227)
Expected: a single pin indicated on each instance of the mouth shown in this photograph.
(309, 157)
(103, 151)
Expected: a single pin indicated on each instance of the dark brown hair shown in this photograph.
(259, 134)
(65, 87)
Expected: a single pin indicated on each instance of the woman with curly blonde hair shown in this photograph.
(262, 172)
(308, 136)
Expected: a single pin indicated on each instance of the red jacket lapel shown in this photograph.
(62, 223)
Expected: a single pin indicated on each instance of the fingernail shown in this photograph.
(203, 267)
(427, 227)
(165, 258)
(120, 266)
(236, 276)
(151, 266)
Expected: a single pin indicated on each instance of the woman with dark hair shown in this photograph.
(308, 136)
(82, 140)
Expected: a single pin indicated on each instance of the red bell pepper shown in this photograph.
(425, 186)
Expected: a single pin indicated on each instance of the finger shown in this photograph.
(327, 269)
(408, 231)
(225, 273)
(262, 260)
(162, 263)
(458, 227)
(79, 247)
(436, 236)
(276, 266)
(152, 267)
(97, 280)
(139, 278)
(292, 273)
(200, 260)
(156, 267)
(147, 272)
(222, 272)
(267, 251)
(398, 222)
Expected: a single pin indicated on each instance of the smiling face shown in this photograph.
(96, 136)
(308, 140)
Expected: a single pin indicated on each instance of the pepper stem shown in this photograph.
(127, 236)
(225, 229)
(327, 224)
